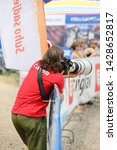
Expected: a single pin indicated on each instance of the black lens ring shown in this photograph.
(76, 68)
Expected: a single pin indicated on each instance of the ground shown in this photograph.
(84, 126)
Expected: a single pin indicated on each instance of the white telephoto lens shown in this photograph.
(86, 66)
(81, 66)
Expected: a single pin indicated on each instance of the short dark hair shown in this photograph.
(52, 59)
(92, 41)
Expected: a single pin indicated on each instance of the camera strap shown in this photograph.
(41, 87)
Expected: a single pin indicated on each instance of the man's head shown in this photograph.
(93, 43)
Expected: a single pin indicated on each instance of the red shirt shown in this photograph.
(28, 101)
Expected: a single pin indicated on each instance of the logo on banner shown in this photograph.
(97, 77)
(83, 19)
(70, 85)
(17, 8)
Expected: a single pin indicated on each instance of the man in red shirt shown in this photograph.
(29, 110)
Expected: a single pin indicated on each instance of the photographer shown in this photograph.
(29, 110)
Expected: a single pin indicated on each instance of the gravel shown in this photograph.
(83, 129)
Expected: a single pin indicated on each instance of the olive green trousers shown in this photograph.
(32, 131)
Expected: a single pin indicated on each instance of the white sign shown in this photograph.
(55, 20)
(20, 35)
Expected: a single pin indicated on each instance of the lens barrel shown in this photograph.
(81, 66)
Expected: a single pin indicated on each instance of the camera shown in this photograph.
(81, 66)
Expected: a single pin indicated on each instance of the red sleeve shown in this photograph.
(60, 84)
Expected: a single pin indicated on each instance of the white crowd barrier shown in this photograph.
(81, 89)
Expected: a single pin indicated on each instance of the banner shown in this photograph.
(83, 19)
(23, 32)
(54, 132)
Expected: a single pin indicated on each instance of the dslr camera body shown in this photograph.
(81, 66)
